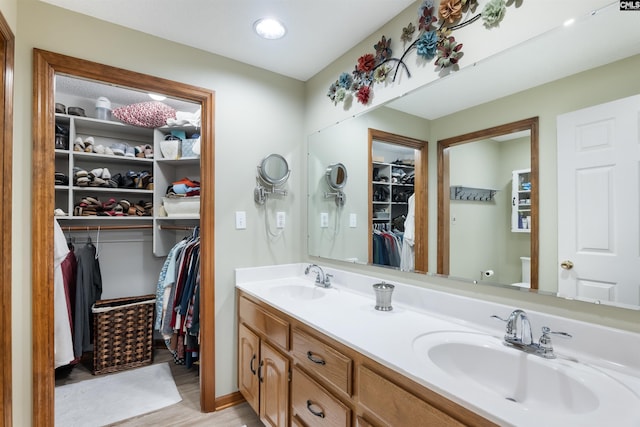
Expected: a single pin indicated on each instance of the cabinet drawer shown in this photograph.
(271, 327)
(322, 360)
(314, 406)
(396, 406)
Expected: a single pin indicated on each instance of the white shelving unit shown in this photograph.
(390, 195)
(521, 201)
(165, 172)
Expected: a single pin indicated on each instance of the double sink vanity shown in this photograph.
(313, 351)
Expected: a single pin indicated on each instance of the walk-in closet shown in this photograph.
(126, 252)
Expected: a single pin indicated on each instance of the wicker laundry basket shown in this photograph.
(123, 333)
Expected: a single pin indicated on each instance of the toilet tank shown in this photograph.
(526, 269)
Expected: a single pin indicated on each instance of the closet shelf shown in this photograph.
(111, 190)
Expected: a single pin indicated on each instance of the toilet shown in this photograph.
(526, 273)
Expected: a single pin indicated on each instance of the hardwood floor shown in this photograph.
(184, 413)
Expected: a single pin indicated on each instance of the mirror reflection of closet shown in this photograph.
(398, 201)
(131, 248)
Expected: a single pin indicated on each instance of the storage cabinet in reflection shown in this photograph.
(521, 201)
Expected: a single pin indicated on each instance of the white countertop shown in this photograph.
(346, 313)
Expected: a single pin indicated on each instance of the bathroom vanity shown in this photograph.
(314, 356)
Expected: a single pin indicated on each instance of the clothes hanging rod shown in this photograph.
(124, 227)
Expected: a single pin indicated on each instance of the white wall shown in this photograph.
(9, 9)
(256, 113)
(347, 142)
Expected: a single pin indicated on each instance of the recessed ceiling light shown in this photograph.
(156, 97)
(269, 28)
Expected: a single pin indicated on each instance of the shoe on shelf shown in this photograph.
(105, 173)
(108, 151)
(59, 212)
(99, 149)
(97, 172)
(148, 152)
(88, 144)
(118, 148)
(129, 151)
(78, 145)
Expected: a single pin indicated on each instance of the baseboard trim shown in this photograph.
(229, 400)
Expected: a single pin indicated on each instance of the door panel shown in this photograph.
(599, 202)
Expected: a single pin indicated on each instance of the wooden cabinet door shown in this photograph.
(274, 387)
(248, 362)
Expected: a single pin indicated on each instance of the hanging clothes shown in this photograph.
(63, 341)
(88, 291)
(387, 246)
(178, 299)
(407, 257)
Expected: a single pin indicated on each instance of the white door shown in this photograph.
(599, 203)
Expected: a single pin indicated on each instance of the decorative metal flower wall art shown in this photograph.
(433, 41)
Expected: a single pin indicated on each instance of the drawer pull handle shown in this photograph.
(314, 359)
(253, 371)
(316, 413)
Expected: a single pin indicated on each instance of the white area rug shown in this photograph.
(115, 397)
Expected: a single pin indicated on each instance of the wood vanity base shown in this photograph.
(293, 375)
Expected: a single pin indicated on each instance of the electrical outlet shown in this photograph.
(241, 220)
(324, 219)
(280, 219)
(353, 220)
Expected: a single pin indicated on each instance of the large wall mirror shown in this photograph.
(535, 79)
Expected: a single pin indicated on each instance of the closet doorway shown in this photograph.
(46, 66)
(6, 153)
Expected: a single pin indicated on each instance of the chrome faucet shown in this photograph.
(322, 279)
(518, 335)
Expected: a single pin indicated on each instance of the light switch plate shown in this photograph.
(353, 220)
(324, 219)
(241, 220)
(280, 219)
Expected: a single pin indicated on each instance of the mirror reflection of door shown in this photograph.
(488, 205)
(598, 204)
(398, 201)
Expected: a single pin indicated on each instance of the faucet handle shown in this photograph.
(546, 347)
(327, 278)
(495, 316)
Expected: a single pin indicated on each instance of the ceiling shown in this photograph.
(318, 32)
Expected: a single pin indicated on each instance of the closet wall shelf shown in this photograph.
(111, 158)
(117, 190)
(182, 161)
(105, 227)
(105, 218)
(164, 171)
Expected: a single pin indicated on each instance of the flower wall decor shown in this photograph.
(433, 41)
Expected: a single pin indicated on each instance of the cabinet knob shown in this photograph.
(566, 265)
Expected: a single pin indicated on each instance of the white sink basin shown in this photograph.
(486, 368)
(298, 292)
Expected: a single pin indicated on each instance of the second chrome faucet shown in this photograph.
(518, 335)
(322, 279)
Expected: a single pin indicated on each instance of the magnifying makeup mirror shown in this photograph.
(273, 172)
(336, 176)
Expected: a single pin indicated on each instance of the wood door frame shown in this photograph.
(530, 124)
(7, 45)
(420, 189)
(45, 66)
